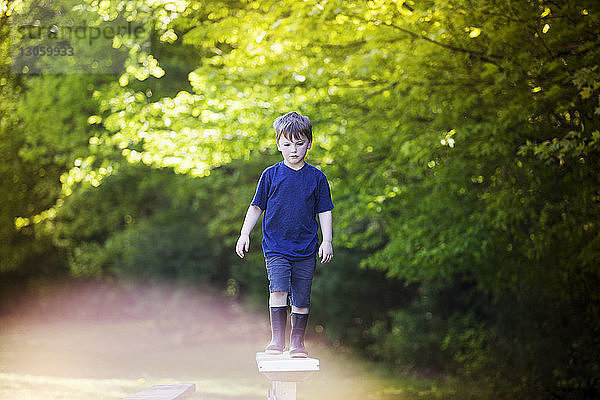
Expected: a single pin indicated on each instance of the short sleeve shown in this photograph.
(262, 191)
(324, 202)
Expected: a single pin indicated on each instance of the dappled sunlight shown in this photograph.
(32, 387)
(107, 341)
(100, 341)
(17, 387)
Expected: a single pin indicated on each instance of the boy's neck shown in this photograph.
(296, 167)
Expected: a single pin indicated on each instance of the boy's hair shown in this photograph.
(293, 125)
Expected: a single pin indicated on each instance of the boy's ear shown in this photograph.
(309, 145)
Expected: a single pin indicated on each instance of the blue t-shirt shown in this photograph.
(291, 201)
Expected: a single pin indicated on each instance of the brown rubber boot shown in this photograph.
(278, 324)
(297, 349)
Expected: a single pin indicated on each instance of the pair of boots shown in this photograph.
(278, 324)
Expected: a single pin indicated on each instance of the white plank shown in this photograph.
(283, 368)
(164, 392)
(274, 362)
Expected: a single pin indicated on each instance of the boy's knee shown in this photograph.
(278, 299)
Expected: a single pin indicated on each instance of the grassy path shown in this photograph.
(106, 342)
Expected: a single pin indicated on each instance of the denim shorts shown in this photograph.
(294, 277)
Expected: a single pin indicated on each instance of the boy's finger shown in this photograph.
(239, 250)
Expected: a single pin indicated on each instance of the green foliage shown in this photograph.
(164, 246)
(141, 223)
(349, 299)
(410, 340)
(440, 329)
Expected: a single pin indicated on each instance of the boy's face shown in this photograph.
(293, 150)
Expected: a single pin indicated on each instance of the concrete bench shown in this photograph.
(165, 392)
(284, 371)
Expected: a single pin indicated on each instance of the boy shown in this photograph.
(291, 193)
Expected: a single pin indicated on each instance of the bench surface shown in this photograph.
(164, 392)
(283, 362)
(283, 368)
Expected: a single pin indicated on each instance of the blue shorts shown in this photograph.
(294, 277)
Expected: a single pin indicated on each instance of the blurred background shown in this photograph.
(460, 138)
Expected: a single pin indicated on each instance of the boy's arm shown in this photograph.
(326, 248)
(243, 242)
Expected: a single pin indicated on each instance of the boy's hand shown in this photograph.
(326, 252)
(242, 244)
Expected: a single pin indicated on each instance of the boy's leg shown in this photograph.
(302, 275)
(278, 299)
(278, 272)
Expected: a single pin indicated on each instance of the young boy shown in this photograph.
(291, 193)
